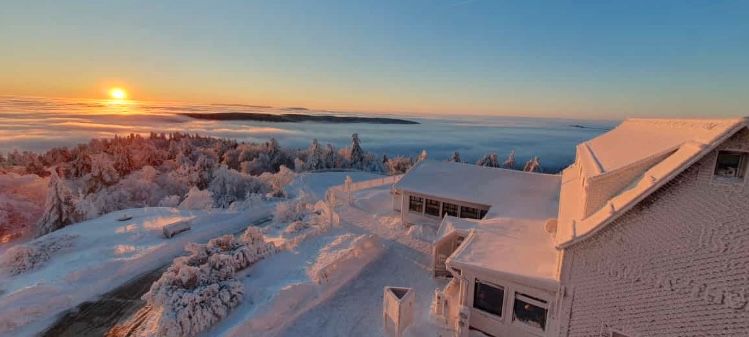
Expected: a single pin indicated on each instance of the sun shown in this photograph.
(118, 93)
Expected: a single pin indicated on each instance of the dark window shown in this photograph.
(530, 311)
(433, 207)
(449, 209)
(730, 164)
(488, 298)
(482, 213)
(618, 334)
(469, 212)
(416, 204)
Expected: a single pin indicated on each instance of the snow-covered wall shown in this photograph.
(675, 265)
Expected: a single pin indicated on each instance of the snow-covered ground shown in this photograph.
(103, 254)
(329, 283)
(286, 299)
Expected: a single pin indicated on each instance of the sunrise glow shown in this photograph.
(117, 93)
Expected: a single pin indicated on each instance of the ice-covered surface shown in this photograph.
(514, 249)
(664, 147)
(510, 193)
(106, 253)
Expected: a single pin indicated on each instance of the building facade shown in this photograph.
(677, 264)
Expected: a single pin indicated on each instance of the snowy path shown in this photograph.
(356, 308)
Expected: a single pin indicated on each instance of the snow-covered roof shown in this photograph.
(518, 250)
(452, 224)
(616, 170)
(637, 139)
(509, 193)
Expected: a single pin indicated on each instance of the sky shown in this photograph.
(577, 59)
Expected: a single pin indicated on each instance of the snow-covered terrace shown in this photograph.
(507, 193)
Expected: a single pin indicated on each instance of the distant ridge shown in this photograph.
(293, 118)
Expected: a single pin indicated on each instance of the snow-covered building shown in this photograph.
(654, 231)
(433, 189)
(651, 239)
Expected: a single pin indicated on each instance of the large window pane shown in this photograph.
(432, 207)
(416, 204)
(449, 209)
(469, 212)
(488, 298)
(530, 311)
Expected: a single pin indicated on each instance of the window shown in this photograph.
(730, 164)
(488, 298)
(469, 212)
(449, 209)
(530, 311)
(415, 204)
(433, 207)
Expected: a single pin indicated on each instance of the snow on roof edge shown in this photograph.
(547, 284)
(608, 214)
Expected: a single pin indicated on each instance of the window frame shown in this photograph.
(463, 208)
(742, 166)
(426, 207)
(503, 289)
(457, 209)
(411, 199)
(535, 301)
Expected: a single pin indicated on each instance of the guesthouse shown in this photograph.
(651, 239)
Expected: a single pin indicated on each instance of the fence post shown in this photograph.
(347, 184)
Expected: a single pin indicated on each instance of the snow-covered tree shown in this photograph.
(59, 208)
(398, 165)
(357, 154)
(200, 289)
(169, 201)
(330, 157)
(509, 163)
(102, 173)
(489, 160)
(315, 159)
(197, 199)
(455, 157)
(229, 186)
(423, 155)
(532, 165)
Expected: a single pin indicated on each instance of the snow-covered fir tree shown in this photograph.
(59, 208)
(455, 158)
(532, 165)
(509, 163)
(489, 160)
(315, 159)
(357, 154)
(423, 155)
